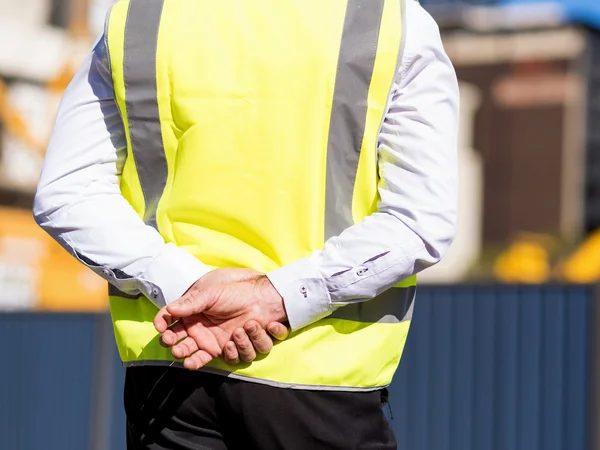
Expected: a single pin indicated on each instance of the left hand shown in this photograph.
(246, 343)
(220, 310)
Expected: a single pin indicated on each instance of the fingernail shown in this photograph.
(252, 329)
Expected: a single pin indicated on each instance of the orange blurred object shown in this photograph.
(36, 272)
(15, 123)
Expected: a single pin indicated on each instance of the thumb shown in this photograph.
(278, 330)
(190, 304)
(163, 320)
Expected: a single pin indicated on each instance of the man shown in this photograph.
(249, 164)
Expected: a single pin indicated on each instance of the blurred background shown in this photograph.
(502, 354)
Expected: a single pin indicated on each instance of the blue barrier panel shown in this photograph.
(485, 368)
(496, 368)
(118, 412)
(46, 381)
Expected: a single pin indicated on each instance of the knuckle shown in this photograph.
(196, 361)
(256, 333)
(239, 334)
(244, 347)
(205, 359)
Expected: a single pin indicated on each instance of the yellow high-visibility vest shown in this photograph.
(252, 130)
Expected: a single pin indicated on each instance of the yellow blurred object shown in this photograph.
(54, 280)
(525, 261)
(583, 266)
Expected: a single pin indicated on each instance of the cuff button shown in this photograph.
(303, 291)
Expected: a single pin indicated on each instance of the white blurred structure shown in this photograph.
(31, 49)
(35, 58)
(21, 164)
(97, 15)
(19, 272)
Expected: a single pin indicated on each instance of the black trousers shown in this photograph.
(172, 408)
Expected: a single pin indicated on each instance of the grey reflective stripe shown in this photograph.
(307, 387)
(393, 306)
(139, 73)
(358, 49)
(113, 291)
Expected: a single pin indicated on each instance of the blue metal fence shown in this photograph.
(46, 381)
(486, 368)
(502, 368)
(460, 2)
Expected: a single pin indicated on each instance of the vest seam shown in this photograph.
(256, 380)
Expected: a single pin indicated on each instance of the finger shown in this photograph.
(185, 348)
(162, 320)
(259, 338)
(193, 302)
(197, 360)
(230, 354)
(173, 335)
(204, 338)
(278, 330)
(244, 346)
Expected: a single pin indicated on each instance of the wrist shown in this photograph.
(276, 305)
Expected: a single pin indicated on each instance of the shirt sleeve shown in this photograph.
(79, 203)
(415, 221)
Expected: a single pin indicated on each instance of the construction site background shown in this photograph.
(530, 153)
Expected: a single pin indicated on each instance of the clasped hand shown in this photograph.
(225, 313)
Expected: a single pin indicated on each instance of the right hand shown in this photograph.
(251, 339)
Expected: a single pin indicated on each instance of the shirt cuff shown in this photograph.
(171, 274)
(304, 292)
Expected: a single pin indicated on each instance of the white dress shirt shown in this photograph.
(79, 202)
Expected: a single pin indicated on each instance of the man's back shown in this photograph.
(252, 141)
(247, 117)
(279, 161)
